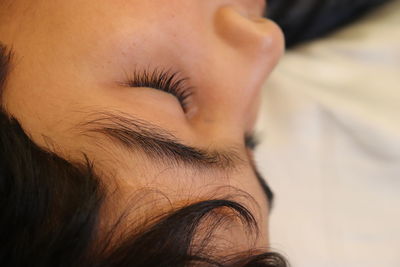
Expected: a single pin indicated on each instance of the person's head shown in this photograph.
(126, 132)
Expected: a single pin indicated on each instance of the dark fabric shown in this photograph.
(303, 20)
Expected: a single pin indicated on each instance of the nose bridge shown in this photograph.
(245, 52)
(239, 28)
(256, 43)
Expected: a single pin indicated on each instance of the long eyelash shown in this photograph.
(163, 80)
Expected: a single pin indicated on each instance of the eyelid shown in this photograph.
(163, 80)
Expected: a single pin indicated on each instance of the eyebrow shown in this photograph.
(161, 145)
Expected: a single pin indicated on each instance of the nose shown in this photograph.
(250, 8)
(254, 35)
(247, 50)
(257, 39)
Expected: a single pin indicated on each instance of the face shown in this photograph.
(181, 73)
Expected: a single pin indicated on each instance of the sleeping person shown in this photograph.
(126, 133)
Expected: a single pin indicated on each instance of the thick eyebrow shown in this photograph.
(161, 145)
(157, 143)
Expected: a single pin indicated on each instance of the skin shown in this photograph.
(72, 57)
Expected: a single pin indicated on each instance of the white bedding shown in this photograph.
(331, 147)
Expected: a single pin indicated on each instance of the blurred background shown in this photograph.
(330, 127)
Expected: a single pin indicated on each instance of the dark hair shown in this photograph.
(305, 20)
(51, 212)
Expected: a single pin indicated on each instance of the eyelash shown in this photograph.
(165, 81)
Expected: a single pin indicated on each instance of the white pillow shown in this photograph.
(331, 150)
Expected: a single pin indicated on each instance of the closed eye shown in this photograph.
(165, 81)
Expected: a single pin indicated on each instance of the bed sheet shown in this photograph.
(330, 126)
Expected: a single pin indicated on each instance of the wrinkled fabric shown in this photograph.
(331, 147)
